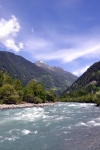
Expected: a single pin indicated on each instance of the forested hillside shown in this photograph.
(57, 71)
(86, 88)
(24, 70)
(91, 76)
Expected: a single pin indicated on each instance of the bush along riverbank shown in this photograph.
(82, 96)
(12, 92)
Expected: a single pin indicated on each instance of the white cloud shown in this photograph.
(66, 48)
(8, 32)
(21, 45)
(80, 71)
(65, 55)
(38, 45)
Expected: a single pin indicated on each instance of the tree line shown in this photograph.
(12, 91)
(87, 94)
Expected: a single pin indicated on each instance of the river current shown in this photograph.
(63, 126)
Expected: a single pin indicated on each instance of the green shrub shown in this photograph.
(37, 100)
(97, 98)
(8, 94)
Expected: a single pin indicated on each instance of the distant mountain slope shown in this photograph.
(22, 69)
(57, 71)
(19, 68)
(91, 76)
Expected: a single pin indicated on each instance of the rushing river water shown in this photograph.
(64, 126)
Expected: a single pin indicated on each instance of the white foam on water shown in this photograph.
(97, 124)
(68, 117)
(69, 127)
(54, 110)
(7, 113)
(66, 128)
(4, 121)
(26, 132)
(60, 118)
(81, 124)
(66, 139)
(60, 104)
(30, 114)
(94, 122)
(64, 111)
(19, 132)
(57, 127)
(69, 139)
(97, 119)
(48, 124)
(80, 105)
(14, 130)
(46, 113)
(44, 116)
(36, 132)
(12, 138)
(72, 105)
(66, 132)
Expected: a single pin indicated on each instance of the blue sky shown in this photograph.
(64, 33)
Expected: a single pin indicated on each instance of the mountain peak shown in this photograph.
(24, 70)
(42, 64)
(40, 61)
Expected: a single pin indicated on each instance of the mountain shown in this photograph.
(52, 77)
(57, 71)
(90, 77)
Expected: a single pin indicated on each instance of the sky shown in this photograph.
(63, 33)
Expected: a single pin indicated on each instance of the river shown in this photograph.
(63, 126)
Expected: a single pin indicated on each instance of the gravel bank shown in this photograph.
(25, 105)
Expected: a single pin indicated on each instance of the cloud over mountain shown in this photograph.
(8, 33)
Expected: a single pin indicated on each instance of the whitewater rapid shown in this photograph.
(64, 126)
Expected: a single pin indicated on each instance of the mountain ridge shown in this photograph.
(57, 70)
(24, 70)
(91, 76)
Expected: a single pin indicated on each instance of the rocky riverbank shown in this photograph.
(25, 105)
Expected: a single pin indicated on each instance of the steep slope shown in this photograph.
(19, 68)
(22, 69)
(91, 76)
(69, 77)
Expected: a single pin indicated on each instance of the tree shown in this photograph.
(30, 91)
(12, 92)
(17, 85)
(50, 96)
(1, 78)
(32, 88)
(41, 92)
(8, 94)
(97, 98)
(7, 79)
